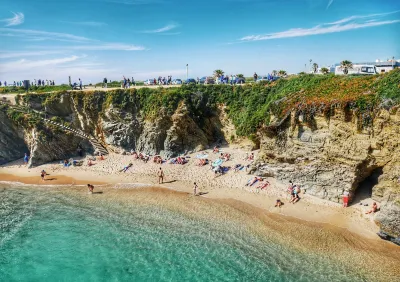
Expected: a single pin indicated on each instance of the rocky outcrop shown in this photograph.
(120, 128)
(12, 144)
(327, 155)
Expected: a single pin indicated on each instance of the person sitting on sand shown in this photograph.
(225, 156)
(101, 157)
(373, 209)
(201, 162)
(278, 203)
(295, 197)
(135, 155)
(263, 185)
(218, 170)
(89, 163)
(126, 167)
(251, 157)
(216, 149)
(91, 188)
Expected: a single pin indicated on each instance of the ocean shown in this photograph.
(56, 234)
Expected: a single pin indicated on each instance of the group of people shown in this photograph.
(126, 83)
(39, 82)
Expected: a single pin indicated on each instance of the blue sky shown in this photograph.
(92, 39)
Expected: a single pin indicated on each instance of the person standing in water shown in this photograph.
(195, 187)
(160, 176)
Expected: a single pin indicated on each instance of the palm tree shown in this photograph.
(282, 73)
(346, 65)
(315, 67)
(218, 73)
(274, 73)
(240, 75)
(325, 70)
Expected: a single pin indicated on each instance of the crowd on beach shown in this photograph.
(215, 163)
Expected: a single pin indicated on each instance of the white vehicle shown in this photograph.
(357, 69)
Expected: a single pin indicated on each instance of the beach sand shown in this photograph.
(181, 177)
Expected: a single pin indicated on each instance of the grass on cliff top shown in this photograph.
(248, 106)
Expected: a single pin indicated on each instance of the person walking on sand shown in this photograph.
(195, 187)
(42, 175)
(91, 188)
(26, 159)
(80, 84)
(160, 176)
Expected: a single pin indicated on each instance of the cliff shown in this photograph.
(327, 133)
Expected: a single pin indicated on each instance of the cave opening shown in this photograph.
(364, 188)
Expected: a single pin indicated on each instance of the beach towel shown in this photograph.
(202, 156)
(217, 162)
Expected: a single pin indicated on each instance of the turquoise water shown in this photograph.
(53, 236)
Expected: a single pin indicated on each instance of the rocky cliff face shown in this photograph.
(119, 128)
(12, 144)
(330, 154)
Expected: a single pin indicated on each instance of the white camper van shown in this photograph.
(357, 69)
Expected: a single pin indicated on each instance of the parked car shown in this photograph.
(149, 82)
(263, 78)
(190, 81)
(177, 81)
(207, 80)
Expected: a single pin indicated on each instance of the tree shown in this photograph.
(325, 70)
(282, 73)
(274, 73)
(346, 65)
(218, 73)
(315, 67)
(240, 75)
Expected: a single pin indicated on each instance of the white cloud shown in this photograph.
(9, 54)
(329, 4)
(162, 29)
(89, 23)
(107, 47)
(350, 23)
(16, 20)
(45, 35)
(23, 64)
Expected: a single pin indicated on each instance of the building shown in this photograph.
(380, 67)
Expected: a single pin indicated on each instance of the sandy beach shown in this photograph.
(230, 186)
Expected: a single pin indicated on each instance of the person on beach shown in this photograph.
(263, 185)
(42, 175)
(252, 181)
(126, 167)
(160, 176)
(216, 150)
(91, 188)
(278, 203)
(195, 187)
(346, 196)
(26, 159)
(80, 84)
(373, 209)
(295, 196)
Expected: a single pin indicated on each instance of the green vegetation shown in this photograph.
(37, 89)
(248, 106)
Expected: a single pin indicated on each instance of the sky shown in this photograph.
(93, 39)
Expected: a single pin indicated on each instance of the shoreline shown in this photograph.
(309, 209)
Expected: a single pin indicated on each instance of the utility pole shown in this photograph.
(187, 71)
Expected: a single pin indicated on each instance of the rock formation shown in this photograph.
(327, 155)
